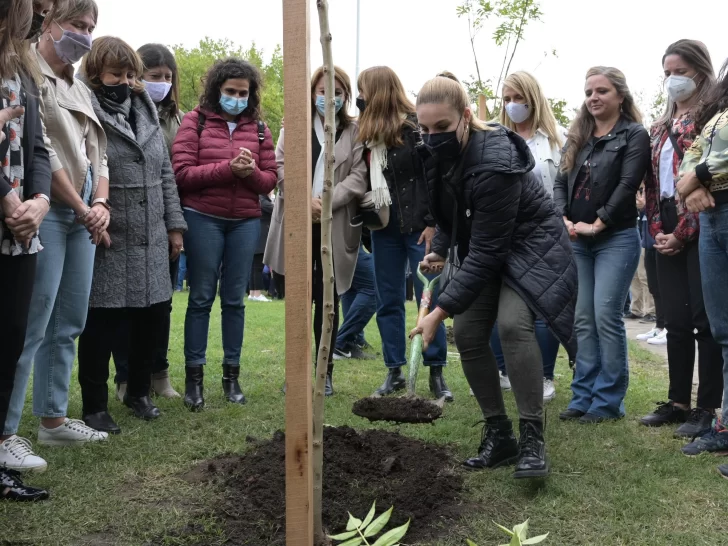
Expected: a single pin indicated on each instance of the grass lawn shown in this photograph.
(615, 484)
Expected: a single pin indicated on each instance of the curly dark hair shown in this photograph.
(230, 69)
(716, 100)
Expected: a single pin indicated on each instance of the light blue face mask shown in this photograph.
(321, 104)
(232, 105)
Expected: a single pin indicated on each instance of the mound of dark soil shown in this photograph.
(397, 410)
(415, 477)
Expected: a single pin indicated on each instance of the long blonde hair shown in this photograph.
(543, 118)
(446, 90)
(387, 102)
(582, 128)
(15, 19)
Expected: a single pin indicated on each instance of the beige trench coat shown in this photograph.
(350, 185)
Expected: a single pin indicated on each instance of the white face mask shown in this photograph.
(158, 91)
(518, 112)
(680, 88)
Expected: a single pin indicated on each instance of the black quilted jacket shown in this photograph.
(508, 230)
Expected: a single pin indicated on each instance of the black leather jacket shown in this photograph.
(619, 162)
(406, 182)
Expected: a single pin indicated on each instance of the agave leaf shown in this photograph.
(379, 523)
(370, 516)
(344, 536)
(521, 530)
(504, 529)
(354, 523)
(391, 537)
(353, 542)
(536, 540)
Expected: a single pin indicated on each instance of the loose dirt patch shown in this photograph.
(417, 478)
(397, 410)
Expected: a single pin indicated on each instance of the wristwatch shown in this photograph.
(103, 201)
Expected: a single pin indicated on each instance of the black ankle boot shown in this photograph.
(194, 376)
(142, 406)
(498, 446)
(230, 385)
(395, 382)
(329, 390)
(438, 387)
(532, 461)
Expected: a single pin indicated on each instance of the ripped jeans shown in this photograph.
(606, 266)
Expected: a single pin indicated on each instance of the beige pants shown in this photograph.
(642, 302)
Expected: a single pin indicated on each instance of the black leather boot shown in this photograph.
(532, 461)
(395, 382)
(142, 406)
(329, 390)
(194, 376)
(230, 385)
(102, 422)
(438, 387)
(498, 446)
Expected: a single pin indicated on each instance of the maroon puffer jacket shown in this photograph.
(202, 166)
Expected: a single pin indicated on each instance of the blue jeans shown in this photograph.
(358, 304)
(606, 267)
(547, 342)
(392, 250)
(181, 271)
(57, 314)
(217, 250)
(714, 273)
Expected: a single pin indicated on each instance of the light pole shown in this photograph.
(358, 35)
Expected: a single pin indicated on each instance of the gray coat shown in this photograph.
(134, 271)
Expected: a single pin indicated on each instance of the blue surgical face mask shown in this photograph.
(232, 105)
(321, 104)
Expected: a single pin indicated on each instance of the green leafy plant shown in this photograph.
(519, 536)
(358, 531)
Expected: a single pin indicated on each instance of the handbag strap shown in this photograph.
(457, 172)
(673, 139)
(454, 234)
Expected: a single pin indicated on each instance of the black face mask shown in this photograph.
(444, 146)
(361, 104)
(35, 27)
(117, 93)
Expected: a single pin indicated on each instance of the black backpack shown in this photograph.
(202, 119)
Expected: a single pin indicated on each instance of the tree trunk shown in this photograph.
(325, 345)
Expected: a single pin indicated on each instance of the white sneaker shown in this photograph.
(258, 298)
(659, 339)
(71, 432)
(16, 454)
(649, 335)
(549, 390)
(505, 383)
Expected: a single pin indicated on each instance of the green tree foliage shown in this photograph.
(511, 17)
(194, 63)
(558, 107)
